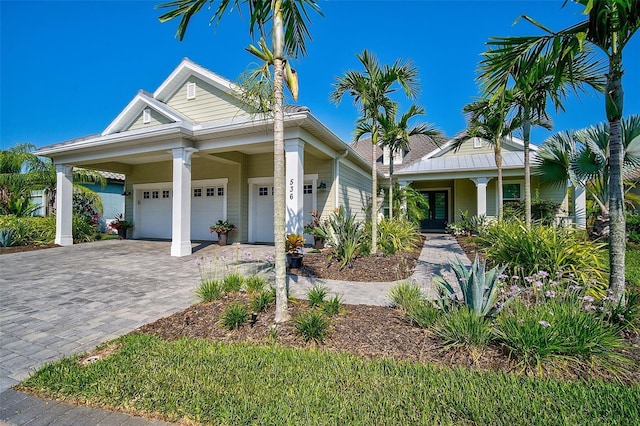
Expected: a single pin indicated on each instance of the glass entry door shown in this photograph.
(438, 214)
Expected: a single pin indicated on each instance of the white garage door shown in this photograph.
(155, 205)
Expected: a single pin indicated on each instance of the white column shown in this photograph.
(181, 214)
(481, 195)
(580, 206)
(294, 164)
(64, 205)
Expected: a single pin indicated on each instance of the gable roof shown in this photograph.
(181, 74)
(450, 145)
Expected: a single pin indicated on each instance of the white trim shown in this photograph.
(183, 71)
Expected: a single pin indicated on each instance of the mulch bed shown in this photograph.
(20, 249)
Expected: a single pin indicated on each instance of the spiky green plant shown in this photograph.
(234, 316)
(463, 327)
(263, 300)
(255, 283)
(405, 294)
(479, 287)
(233, 282)
(316, 295)
(423, 314)
(209, 290)
(332, 306)
(312, 326)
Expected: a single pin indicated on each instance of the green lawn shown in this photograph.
(233, 384)
(632, 266)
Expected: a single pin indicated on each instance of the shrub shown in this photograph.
(232, 283)
(83, 228)
(30, 230)
(263, 300)
(479, 288)
(312, 326)
(558, 332)
(345, 237)
(255, 283)
(405, 294)
(422, 314)
(625, 315)
(462, 327)
(332, 306)
(316, 295)
(7, 237)
(397, 235)
(234, 316)
(526, 251)
(209, 290)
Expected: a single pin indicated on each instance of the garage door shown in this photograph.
(155, 205)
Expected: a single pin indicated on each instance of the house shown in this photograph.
(463, 179)
(192, 155)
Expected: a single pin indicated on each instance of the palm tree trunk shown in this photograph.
(526, 135)
(374, 189)
(282, 313)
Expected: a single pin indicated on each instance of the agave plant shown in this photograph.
(479, 287)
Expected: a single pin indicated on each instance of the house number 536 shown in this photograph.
(291, 189)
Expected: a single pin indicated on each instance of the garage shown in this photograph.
(153, 206)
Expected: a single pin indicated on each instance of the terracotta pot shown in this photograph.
(222, 239)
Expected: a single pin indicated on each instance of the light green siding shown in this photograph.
(260, 165)
(156, 119)
(354, 191)
(210, 103)
(464, 198)
(486, 148)
(324, 170)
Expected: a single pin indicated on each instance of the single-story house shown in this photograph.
(192, 155)
(465, 179)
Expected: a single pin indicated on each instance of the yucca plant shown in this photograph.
(479, 287)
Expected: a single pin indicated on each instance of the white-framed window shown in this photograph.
(477, 143)
(155, 194)
(197, 192)
(166, 193)
(211, 191)
(145, 194)
(146, 116)
(397, 156)
(191, 91)
(307, 188)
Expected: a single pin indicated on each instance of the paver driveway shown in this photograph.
(65, 300)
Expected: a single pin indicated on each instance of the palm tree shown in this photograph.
(370, 91)
(395, 135)
(609, 26)
(288, 26)
(532, 85)
(582, 157)
(489, 119)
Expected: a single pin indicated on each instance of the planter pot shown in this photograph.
(122, 233)
(318, 243)
(294, 260)
(222, 239)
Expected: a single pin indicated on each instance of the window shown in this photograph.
(263, 191)
(307, 189)
(191, 91)
(146, 116)
(477, 143)
(197, 192)
(165, 193)
(154, 194)
(220, 191)
(145, 194)
(211, 192)
(511, 191)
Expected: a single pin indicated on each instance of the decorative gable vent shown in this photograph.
(397, 156)
(477, 143)
(191, 91)
(146, 116)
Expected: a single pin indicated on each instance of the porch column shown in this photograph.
(294, 164)
(181, 213)
(580, 206)
(481, 195)
(64, 205)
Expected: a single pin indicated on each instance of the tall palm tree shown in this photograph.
(532, 85)
(287, 22)
(371, 91)
(609, 26)
(490, 120)
(582, 157)
(395, 135)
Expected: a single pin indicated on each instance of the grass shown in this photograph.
(632, 266)
(228, 384)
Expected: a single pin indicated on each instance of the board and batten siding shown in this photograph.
(209, 104)
(155, 119)
(354, 190)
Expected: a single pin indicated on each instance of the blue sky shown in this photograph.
(67, 68)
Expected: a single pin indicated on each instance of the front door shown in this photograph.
(438, 214)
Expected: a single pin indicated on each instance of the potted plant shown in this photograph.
(317, 229)
(293, 244)
(222, 228)
(120, 225)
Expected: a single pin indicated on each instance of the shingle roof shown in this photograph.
(419, 146)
